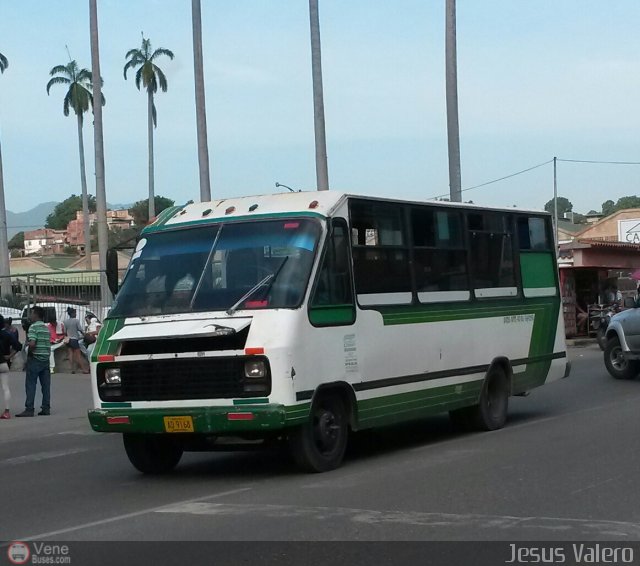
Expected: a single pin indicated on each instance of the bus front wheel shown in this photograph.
(152, 453)
(319, 444)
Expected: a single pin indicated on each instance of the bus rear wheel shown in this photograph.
(491, 411)
(319, 444)
(152, 453)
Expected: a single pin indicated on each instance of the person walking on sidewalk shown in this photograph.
(39, 342)
(9, 346)
(74, 330)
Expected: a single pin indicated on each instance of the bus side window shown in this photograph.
(332, 299)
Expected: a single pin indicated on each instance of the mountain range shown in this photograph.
(30, 219)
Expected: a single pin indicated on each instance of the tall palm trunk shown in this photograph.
(152, 200)
(98, 147)
(453, 128)
(86, 233)
(201, 111)
(322, 172)
(5, 279)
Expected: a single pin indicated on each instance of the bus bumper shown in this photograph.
(205, 420)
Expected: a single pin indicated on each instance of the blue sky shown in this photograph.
(537, 78)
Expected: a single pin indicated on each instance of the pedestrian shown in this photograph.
(8, 325)
(39, 343)
(90, 334)
(73, 329)
(9, 346)
(57, 336)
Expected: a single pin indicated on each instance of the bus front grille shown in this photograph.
(181, 379)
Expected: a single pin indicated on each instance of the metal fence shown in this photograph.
(76, 287)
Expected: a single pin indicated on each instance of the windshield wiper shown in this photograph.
(268, 281)
(204, 269)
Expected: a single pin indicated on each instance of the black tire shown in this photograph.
(617, 366)
(319, 445)
(601, 338)
(491, 411)
(152, 453)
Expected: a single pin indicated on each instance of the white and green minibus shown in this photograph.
(303, 316)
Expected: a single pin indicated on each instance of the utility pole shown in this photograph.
(101, 198)
(5, 269)
(453, 129)
(322, 170)
(201, 110)
(555, 202)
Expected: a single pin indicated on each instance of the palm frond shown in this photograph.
(139, 77)
(162, 51)
(84, 75)
(60, 70)
(162, 79)
(134, 54)
(4, 63)
(129, 65)
(57, 81)
(66, 103)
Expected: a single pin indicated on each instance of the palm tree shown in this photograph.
(5, 281)
(79, 97)
(149, 75)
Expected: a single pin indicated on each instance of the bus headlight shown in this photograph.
(112, 376)
(255, 369)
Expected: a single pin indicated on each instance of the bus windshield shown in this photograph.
(213, 267)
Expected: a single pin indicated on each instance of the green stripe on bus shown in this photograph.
(417, 404)
(115, 405)
(104, 346)
(538, 270)
(250, 401)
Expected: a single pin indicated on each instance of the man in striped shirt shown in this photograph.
(38, 364)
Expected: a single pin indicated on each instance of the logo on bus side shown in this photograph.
(515, 318)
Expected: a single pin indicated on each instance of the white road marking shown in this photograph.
(39, 456)
(100, 522)
(574, 528)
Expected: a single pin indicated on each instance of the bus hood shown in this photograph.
(140, 330)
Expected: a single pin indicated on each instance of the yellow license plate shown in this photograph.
(178, 424)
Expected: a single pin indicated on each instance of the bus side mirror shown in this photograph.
(112, 270)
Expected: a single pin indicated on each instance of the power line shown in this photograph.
(501, 178)
(599, 162)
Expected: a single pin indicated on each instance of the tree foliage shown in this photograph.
(148, 74)
(140, 210)
(4, 63)
(79, 96)
(65, 211)
(17, 242)
(609, 207)
(564, 205)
